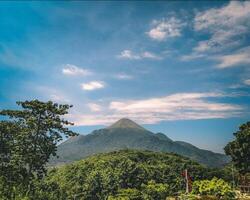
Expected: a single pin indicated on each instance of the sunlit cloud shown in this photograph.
(225, 25)
(192, 56)
(165, 28)
(247, 81)
(235, 59)
(128, 54)
(73, 70)
(124, 76)
(179, 106)
(93, 85)
(94, 107)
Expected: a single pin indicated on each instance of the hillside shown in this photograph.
(125, 173)
(126, 134)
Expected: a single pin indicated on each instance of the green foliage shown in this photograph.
(127, 194)
(131, 137)
(120, 174)
(239, 149)
(27, 140)
(216, 187)
(155, 190)
(150, 191)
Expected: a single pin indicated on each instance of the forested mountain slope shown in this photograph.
(126, 173)
(126, 134)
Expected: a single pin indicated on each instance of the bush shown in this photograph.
(153, 191)
(216, 187)
(127, 194)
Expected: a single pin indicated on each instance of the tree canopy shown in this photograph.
(126, 174)
(28, 138)
(239, 149)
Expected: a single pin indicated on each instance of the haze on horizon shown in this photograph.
(180, 71)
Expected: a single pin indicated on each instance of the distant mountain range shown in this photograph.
(126, 134)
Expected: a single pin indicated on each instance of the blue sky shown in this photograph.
(176, 67)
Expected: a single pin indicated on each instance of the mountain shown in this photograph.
(126, 134)
(124, 172)
(126, 123)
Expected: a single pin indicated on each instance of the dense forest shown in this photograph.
(29, 138)
(142, 174)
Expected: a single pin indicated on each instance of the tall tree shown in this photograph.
(29, 138)
(239, 149)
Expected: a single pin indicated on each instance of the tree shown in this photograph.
(28, 139)
(12, 167)
(239, 149)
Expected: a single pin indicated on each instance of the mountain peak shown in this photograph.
(125, 123)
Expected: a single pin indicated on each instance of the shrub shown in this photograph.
(216, 187)
(154, 190)
(127, 194)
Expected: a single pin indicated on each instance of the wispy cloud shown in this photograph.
(73, 70)
(52, 94)
(165, 28)
(150, 55)
(247, 81)
(124, 76)
(93, 85)
(192, 56)
(94, 107)
(235, 59)
(227, 28)
(225, 25)
(128, 54)
(179, 106)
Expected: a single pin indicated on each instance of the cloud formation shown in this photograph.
(93, 85)
(73, 70)
(235, 59)
(124, 76)
(165, 28)
(179, 106)
(94, 107)
(225, 24)
(247, 81)
(128, 54)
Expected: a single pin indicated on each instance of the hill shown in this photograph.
(125, 173)
(126, 134)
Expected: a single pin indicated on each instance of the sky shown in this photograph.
(177, 67)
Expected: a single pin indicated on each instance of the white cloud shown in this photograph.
(94, 107)
(179, 106)
(247, 82)
(165, 28)
(225, 24)
(235, 59)
(123, 76)
(230, 14)
(235, 86)
(192, 56)
(93, 85)
(73, 70)
(172, 103)
(128, 54)
(150, 55)
(52, 94)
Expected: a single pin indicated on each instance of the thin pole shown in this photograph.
(186, 177)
